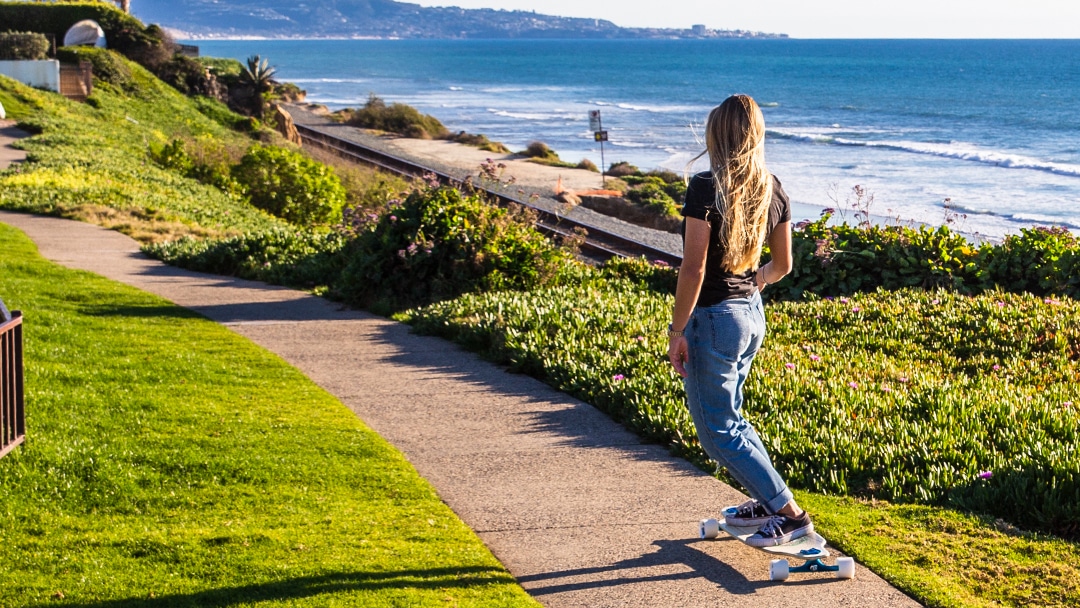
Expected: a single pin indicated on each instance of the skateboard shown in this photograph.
(810, 548)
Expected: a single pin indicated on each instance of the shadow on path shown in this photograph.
(672, 552)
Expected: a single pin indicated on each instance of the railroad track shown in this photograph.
(599, 244)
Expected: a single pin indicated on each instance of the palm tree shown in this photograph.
(259, 75)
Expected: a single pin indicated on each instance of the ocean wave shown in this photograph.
(329, 80)
(770, 104)
(536, 115)
(655, 109)
(954, 150)
(629, 144)
(457, 89)
(1044, 220)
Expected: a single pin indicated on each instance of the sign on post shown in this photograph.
(600, 135)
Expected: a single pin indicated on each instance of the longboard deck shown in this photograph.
(811, 546)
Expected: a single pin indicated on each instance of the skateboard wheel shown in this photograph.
(779, 570)
(846, 567)
(709, 528)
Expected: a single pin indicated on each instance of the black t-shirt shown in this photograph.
(700, 203)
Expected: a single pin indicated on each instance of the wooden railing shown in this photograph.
(12, 407)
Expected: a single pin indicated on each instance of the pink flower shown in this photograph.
(843, 300)
(855, 309)
(886, 389)
(1067, 404)
(393, 218)
(618, 377)
(935, 302)
(903, 379)
(789, 365)
(853, 384)
(986, 474)
(660, 263)
(996, 367)
(640, 338)
(815, 358)
(1000, 304)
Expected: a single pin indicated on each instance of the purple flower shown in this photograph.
(996, 367)
(661, 263)
(855, 309)
(843, 300)
(789, 365)
(618, 377)
(815, 358)
(986, 474)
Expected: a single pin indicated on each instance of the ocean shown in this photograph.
(985, 133)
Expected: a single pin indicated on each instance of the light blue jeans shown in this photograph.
(723, 340)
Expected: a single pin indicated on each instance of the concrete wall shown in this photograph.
(40, 74)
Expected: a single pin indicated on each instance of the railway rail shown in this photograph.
(599, 244)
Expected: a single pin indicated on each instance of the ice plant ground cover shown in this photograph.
(918, 405)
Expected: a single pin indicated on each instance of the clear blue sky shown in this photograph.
(824, 18)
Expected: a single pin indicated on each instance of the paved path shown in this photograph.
(8, 134)
(579, 510)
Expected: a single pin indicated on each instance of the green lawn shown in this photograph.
(170, 462)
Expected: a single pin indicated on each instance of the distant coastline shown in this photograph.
(390, 20)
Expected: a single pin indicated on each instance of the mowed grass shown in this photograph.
(170, 462)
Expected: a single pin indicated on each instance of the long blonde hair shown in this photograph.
(735, 143)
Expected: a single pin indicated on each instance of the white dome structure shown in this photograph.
(85, 33)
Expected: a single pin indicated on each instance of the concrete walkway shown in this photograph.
(579, 510)
(8, 134)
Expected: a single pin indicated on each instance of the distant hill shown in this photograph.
(385, 19)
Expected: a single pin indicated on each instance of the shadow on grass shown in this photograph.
(311, 586)
(165, 311)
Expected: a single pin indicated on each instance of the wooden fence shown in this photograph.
(12, 407)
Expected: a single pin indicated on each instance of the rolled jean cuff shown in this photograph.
(777, 503)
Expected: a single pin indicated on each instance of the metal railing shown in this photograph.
(12, 406)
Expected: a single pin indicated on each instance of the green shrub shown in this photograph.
(189, 76)
(540, 150)
(588, 165)
(122, 31)
(622, 169)
(291, 186)
(651, 195)
(23, 45)
(479, 141)
(1038, 260)
(439, 243)
(108, 66)
(298, 258)
(396, 118)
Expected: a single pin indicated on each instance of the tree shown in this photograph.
(259, 75)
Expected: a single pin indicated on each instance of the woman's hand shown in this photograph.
(678, 353)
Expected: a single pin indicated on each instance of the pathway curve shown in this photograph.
(579, 509)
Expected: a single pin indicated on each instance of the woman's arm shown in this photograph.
(780, 264)
(691, 275)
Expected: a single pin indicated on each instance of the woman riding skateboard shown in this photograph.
(718, 322)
